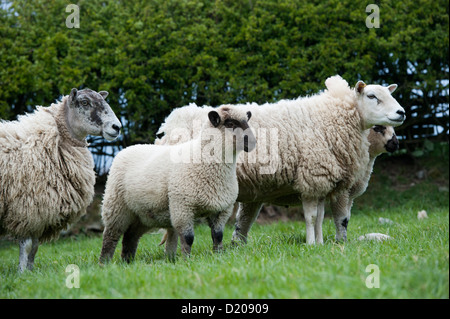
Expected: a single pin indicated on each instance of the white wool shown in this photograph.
(339, 88)
(47, 177)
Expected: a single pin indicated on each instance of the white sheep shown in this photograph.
(322, 148)
(164, 186)
(381, 139)
(46, 170)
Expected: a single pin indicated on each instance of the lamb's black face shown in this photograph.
(243, 125)
(234, 124)
(240, 127)
(392, 144)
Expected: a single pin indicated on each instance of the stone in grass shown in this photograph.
(422, 215)
(375, 236)
(382, 221)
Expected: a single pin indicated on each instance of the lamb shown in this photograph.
(322, 149)
(46, 170)
(157, 186)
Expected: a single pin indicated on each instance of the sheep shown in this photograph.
(381, 139)
(46, 170)
(187, 118)
(149, 186)
(322, 148)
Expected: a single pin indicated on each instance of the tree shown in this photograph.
(153, 56)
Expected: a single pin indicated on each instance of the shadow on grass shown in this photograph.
(6, 243)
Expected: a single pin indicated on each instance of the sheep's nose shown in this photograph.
(394, 140)
(392, 145)
(116, 127)
(402, 113)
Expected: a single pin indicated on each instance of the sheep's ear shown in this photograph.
(249, 115)
(392, 88)
(104, 94)
(359, 87)
(214, 117)
(73, 93)
(73, 96)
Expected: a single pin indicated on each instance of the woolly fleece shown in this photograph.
(46, 176)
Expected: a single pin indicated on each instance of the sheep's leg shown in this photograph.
(130, 240)
(310, 212)
(348, 211)
(111, 236)
(183, 221)
(32, 254)
(217, 225)
(245, 218)
(187, 239)
(25, 247)
(114, 229)
(110, 239)
(216, 234)
(340, 208)
(319, 221)
(171, 243)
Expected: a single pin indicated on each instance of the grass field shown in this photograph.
(275, 263)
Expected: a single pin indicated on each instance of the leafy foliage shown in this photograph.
(153, 56)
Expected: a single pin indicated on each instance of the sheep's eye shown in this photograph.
(371, 96)
(228, 124)
(84, 102)
(379, 128)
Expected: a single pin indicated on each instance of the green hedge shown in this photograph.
(156, 55)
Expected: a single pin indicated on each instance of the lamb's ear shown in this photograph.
(249, 115)
(392, 88)
(73, 96)
(214, 117)
(104, 94)
(359, 87)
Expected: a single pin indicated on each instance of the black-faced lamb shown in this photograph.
(168, 186)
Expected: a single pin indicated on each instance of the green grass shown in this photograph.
(275, 264)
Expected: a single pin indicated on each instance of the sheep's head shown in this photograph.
(382, 139)
(90, 114)
(377, 105)
(234, 123)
